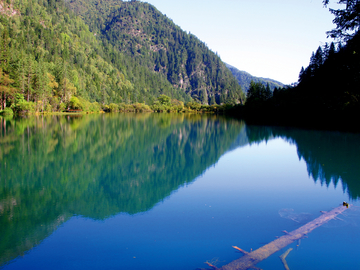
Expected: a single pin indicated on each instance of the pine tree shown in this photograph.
(268, 93)
(4, 50)
(30, 65)
(318, 58)
(6, 90)
(347, 20)
(301, 75)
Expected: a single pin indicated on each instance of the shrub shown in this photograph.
(62, 107)
(54, 103)
(164, 100)
(193, 105)
(94, 107)
(113, 107)
(75, 104)
(38, 106)
(7, 111)
(48, 108)
(141, 107)
(20, 106)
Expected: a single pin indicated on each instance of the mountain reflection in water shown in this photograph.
(330, 156)
(55, 167)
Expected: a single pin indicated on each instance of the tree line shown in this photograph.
(327, 94)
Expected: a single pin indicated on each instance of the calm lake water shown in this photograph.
(160, 191)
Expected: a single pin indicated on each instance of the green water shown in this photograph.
(162, 191)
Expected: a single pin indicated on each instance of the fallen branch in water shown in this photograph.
(283, 258)
(250, 259)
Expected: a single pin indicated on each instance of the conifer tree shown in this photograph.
(318, 59)
(347, 20)
(301, 75)
(6, 90)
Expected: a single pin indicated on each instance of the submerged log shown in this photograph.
(250, 259)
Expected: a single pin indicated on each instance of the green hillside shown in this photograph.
(245, 79)
(102, 52)
(151, 40)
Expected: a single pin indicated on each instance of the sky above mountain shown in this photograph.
(271, 39)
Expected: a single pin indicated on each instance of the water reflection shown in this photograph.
(55, 167)
(330, 156)
(52, 168)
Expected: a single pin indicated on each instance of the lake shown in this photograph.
(168, 191)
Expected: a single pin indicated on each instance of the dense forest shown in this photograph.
(56, 54)
(327, 94)
(48, 55)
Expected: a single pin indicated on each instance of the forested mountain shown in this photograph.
(102, 52)
(155, 42)
(244, 79)
(49, 55)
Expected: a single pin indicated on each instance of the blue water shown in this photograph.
(232, 201)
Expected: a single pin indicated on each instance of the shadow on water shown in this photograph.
(55, 167)
(349, 218)
(300, 218)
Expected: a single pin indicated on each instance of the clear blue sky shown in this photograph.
(266, 38)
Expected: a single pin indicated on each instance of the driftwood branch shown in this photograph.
(241, 250)
(211, 265)
(283, 258)
(250, 259)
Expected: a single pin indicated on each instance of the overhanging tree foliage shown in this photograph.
(347, 20)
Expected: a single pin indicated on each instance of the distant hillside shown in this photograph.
(245, 78)
(152, 41)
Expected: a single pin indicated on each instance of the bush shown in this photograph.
(141, 107)
(48, 108)
(20, 106)
(62, 107)
(113, 107)
(7, 111)
(24, 107)
(38, 105)
(75, 104)
(158, 107)
(94, 107)
(54, 103)
(193, 105)
(164, 100)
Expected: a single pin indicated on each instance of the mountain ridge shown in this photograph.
(137, 29)
(244, 78)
